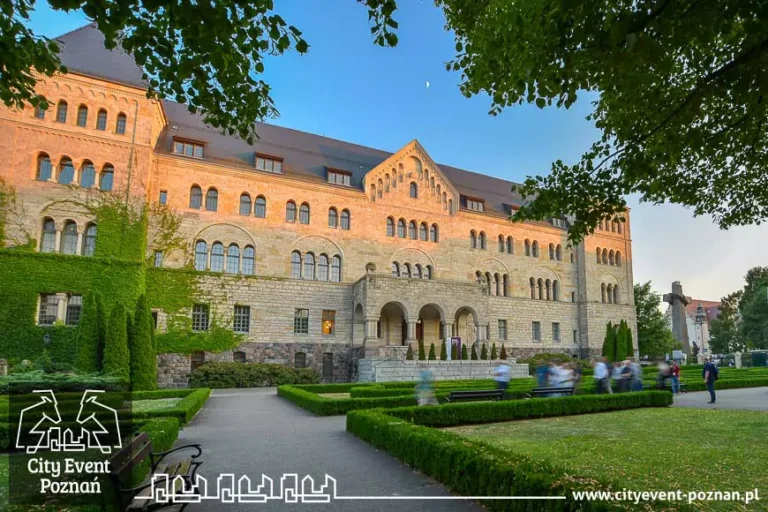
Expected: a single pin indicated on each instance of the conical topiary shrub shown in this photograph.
(422, 354)
(102, 318)
(484, 353)
(143, 361)
(443, 352)
(454, 352)
(87, 359)
(494, 355)
(464, 355)
(609, 343)
(409, 353)
(474, 352)
(432, 356)
(117, 360)
(503, 354)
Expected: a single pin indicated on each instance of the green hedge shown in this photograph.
(700, 385)
(163, 432)
(252, 375)
(378, 391)
(473, 468)
(158, 394)
(335, 406)
(183, 411)
(22, 383)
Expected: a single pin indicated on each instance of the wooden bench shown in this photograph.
(476, 395)
(545, 392)
(137, 451)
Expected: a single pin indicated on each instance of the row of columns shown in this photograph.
(57, 241)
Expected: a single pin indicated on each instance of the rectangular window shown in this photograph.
(301, 321)
(242, 322)
(573, 296)
(269, 163)
(158, 259)
(74, 306)
(186, 148)
(558, 223)
(163, 197)
(575, 337)
(474, 204)
(200, 317)
(556, 331)
(339, 178)
(329, 323)
(49, 309)
(154, 319)
(502, 329)
(536, 331)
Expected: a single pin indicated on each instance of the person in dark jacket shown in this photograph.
(710, 373)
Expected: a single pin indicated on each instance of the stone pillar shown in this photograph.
(411, 336)
(447, 332)
(61, 313)
(371, 329)
(481, 332)
(3, 367)
(57, 244)
(79, 248)
(737, 358)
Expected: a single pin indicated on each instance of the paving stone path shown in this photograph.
(253, 431)
(753, 399)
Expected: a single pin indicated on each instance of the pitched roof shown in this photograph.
(305, 155)
(711, 308)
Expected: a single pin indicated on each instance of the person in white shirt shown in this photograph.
(501, 375)
(601, 376)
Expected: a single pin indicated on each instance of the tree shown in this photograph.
(609, 343)
(494, 354)
(630, 345)
(484, 353)
(409, 353)
(432, 356)
(87, 359)
(725, 335)
(142, 353)
(474, 352)
(464, 355)
(454, 352)
(117, 360)
(754, 319)
(654, 337)
(503, 354)
(102, 319)
(681, 122)
(422, 355)
(443, 352)
(621, 342)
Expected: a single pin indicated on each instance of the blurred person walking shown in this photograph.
(710, 374)
(674, 371)
(541, 374)
(425, 389)
(502, 375)
(601, 376)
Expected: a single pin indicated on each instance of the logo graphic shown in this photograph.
(49, 434)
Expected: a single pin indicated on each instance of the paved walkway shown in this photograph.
(253, 431)
(753, 399)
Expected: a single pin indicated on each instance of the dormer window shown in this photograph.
(558, 223)
(269, 163)
(188, 148)
(339, 177)
(473, 203)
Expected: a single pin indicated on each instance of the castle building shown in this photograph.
(315, 251)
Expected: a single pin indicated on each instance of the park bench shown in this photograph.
(476, 395)
(134, 453)
(539, 392)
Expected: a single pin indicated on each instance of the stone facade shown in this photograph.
(379, 369)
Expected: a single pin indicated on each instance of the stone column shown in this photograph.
(481, 332)
(371, 328)
(447, 332)
(411, 336)
(61, 313)
(57, 245)
(737, 358)
(79, 248)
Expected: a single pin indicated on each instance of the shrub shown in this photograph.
(252, 375)
(484, 353)
(117, 360)
(101, 316)
(454, 352)
(432, 352)
(609, 343)
(87, 359)
(493, 352)
(474, 351)
(306, 399)
(503, 354)
(422, 357)
(378, 391)
(21, 383)
(443, 352)
(409, 353)
(183, 411)
(621, 341)
(464, 355)
(142, 353)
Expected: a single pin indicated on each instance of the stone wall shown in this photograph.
(388, 370)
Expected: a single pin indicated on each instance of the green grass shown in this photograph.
(647, 449)
(152, 405)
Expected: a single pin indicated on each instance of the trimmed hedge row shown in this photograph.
(700, 385)
(473, 468)
(159, 393)
(336, 406)
(250, 375)
(183, 411)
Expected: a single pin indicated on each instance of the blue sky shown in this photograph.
(349, 89)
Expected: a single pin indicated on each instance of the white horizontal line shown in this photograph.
(449, 497)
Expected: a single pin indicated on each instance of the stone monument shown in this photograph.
(679, 328)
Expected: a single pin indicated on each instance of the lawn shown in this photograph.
(152, 405)
(648, 449)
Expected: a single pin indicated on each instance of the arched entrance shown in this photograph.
(392, 328)
(429, 326)
(465, 325)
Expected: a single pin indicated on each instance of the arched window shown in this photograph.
(548, 286)
(61, 112)
(417, 271)
(616, 294)
(510, 245)
(555, 290)
(498, 282)
(66, 171)
(233, 259)
(386, 182)
(390, 226)
(48, 240)
(260, 207)
(39, 112)
(434, 233)
(245, 204)
(501, 243)
(101, 120)
(551, 251)
(87, 175)
(401, 228)
(69, 238)
(472, 240)
(611, 261)
(535, 249)
(414, 193)
(336, 269)
(609, 293)
(82, 116)
(380, 189)
(212, 200)
(249, 255)
(217, 257)
(290, 211)
(43, 168)
(304, 213)
(412, 230)
(406, 270)
(605, 256)
(506, 285)
(489, 283)
(333, 218)
(614, 226)
(322, 268)
(426, 176)
(527, 247)
(195, 197)
(428, 272)
(559, 252)
(201, 255)
(423, 231)
(89, 240)
(602, 290)
(533, 288)
(573, 257)
(120, 125)
(620, 226)
(296, 265)
(395, 269)
(309, 266)
(599, 257)
(346, 219)
(541, 289)
(450, 205)
(618, 259)
(394, 178)
(445, 201)
(432, 184)
(373, 192)
(482, 240)
(106, 178)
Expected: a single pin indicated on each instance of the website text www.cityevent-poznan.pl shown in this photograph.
(678, 495)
